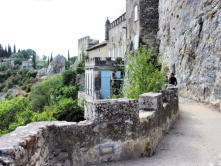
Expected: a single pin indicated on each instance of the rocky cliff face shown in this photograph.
(190, 34)
(56, 66)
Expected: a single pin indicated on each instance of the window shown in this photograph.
(136, 42)
(109, 52)
(136, 13)
(118, 52)
(118, 75)
(113, 56)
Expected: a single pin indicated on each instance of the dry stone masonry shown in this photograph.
(113, 130)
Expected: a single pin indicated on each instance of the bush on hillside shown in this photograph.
(69, 77)
(43, 92)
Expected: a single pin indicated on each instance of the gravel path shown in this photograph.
(195, 140)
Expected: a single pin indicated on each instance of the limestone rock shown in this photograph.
(57, 65)
(42, 71)
(190, 33)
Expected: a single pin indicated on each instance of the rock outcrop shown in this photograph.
(190, 34)
(57, 65)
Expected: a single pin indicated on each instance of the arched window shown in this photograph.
(136, 13)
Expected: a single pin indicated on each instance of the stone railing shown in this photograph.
(113, 130)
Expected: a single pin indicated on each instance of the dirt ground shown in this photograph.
(195, 140)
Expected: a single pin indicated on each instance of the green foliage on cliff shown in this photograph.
(52, 99)
(18, 112)
(81, 65)
(13, 76)
(144, 74)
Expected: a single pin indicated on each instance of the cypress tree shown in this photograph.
(14, 49)
(34, 61)
(1, 51)
(68, 63)
(9, 51)
(68, 56)
(51, 58)
(48, 61)
(6, 52)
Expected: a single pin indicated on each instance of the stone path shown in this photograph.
(195, 140)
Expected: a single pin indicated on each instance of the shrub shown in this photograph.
(69, 110)
(69, 77)
(70, 92)
(42, 93)
(144, 74)
(81, 65)
(17, 112)
(9, 109)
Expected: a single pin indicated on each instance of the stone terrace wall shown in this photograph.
(113, 130)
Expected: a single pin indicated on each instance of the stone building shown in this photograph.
(114, 45)
(142, 19)
(138, 25)
(115, 36)
(84, 44)
(103, 78)
(103, 70)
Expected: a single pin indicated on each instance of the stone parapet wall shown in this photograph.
(113, 130)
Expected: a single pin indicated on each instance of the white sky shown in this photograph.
(55, 25)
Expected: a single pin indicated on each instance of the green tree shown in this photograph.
(14, 51)
(44, 92)
(9, 51)
(81, 65)
(5, 52)
(51, 58)
(68, 56)
(144, 73)
(48, 61)
(69, 110)
(69, 77)
(34, 61)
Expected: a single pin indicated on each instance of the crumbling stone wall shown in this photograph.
(113, 130)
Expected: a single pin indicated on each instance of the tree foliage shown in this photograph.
(17, 112)
(144, 74)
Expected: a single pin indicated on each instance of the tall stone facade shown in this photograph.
(190, 35)
(117, 38)
(84, 44)
(142, 23)
(115, 43)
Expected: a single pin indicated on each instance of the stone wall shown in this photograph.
(117, 38)
(113, 130)
(100, 51)
(190, 33)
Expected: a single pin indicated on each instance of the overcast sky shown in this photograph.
(55, 25)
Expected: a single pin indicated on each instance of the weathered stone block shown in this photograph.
(168, 95)
(175, 91)
(111, 110)
(151, 102)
